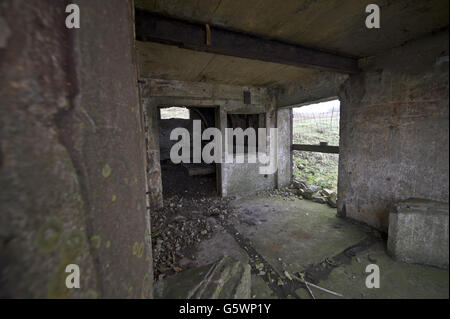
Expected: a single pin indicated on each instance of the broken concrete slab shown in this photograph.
(213, 249)
(225, 279)
(418, 232)
(299, 236)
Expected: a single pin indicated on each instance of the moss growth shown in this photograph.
(49, 235)
(106, 171)
(316, 168)
(96, 241)
(74, 244)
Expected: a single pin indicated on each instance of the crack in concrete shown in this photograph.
(313, 273)
(271, 276)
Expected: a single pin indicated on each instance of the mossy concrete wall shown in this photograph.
(71, 153)
(394, 131)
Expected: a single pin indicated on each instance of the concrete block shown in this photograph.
(418, 232)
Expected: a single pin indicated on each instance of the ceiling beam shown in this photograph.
(209, 38)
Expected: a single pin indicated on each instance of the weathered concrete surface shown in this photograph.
(319, 87)
(331, 25)
(299, 232)
(231, 97)
(394, 131)
(71, 160)
(284, 164)
(418, 232)
(235, 178)
(397, 280)
(212, 250)
(299, 235)
(225, 279)
(153, 169)
(274, 234)
(244, 178)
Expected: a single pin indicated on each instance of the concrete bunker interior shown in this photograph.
(87, 177)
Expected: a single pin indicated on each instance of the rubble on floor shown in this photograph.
(180, 225)
(279, 236)
(299, 189)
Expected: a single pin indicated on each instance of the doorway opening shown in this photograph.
(186, 179)
(315, 155)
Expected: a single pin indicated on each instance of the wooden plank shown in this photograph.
(157, 28)
(316, 148)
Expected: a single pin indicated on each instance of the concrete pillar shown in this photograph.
(72, 153)
(284, 171)
(151, 118)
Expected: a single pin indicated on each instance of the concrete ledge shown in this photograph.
(419, 233)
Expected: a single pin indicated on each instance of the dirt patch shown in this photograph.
(177, 182)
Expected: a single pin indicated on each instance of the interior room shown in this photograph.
(106, 131)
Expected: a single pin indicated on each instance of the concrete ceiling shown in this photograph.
(333, 25)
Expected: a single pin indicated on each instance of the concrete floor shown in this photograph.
(278, 234)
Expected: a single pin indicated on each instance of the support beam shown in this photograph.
(316, 148)
(209, 38)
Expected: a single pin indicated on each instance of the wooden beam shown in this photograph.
(209, 38)
(316, 148)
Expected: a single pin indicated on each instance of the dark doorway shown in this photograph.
(186, 179)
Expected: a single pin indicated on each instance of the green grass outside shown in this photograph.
(316, 168)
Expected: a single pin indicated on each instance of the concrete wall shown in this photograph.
(394, 131)
(153, 165)
(235, 178)
(72, 153)
(321, 86)
(245, 179)
(284, 160)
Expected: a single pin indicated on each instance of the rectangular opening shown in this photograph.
(315, 155)
(186, 179)
(174, 112)
(245, 121)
